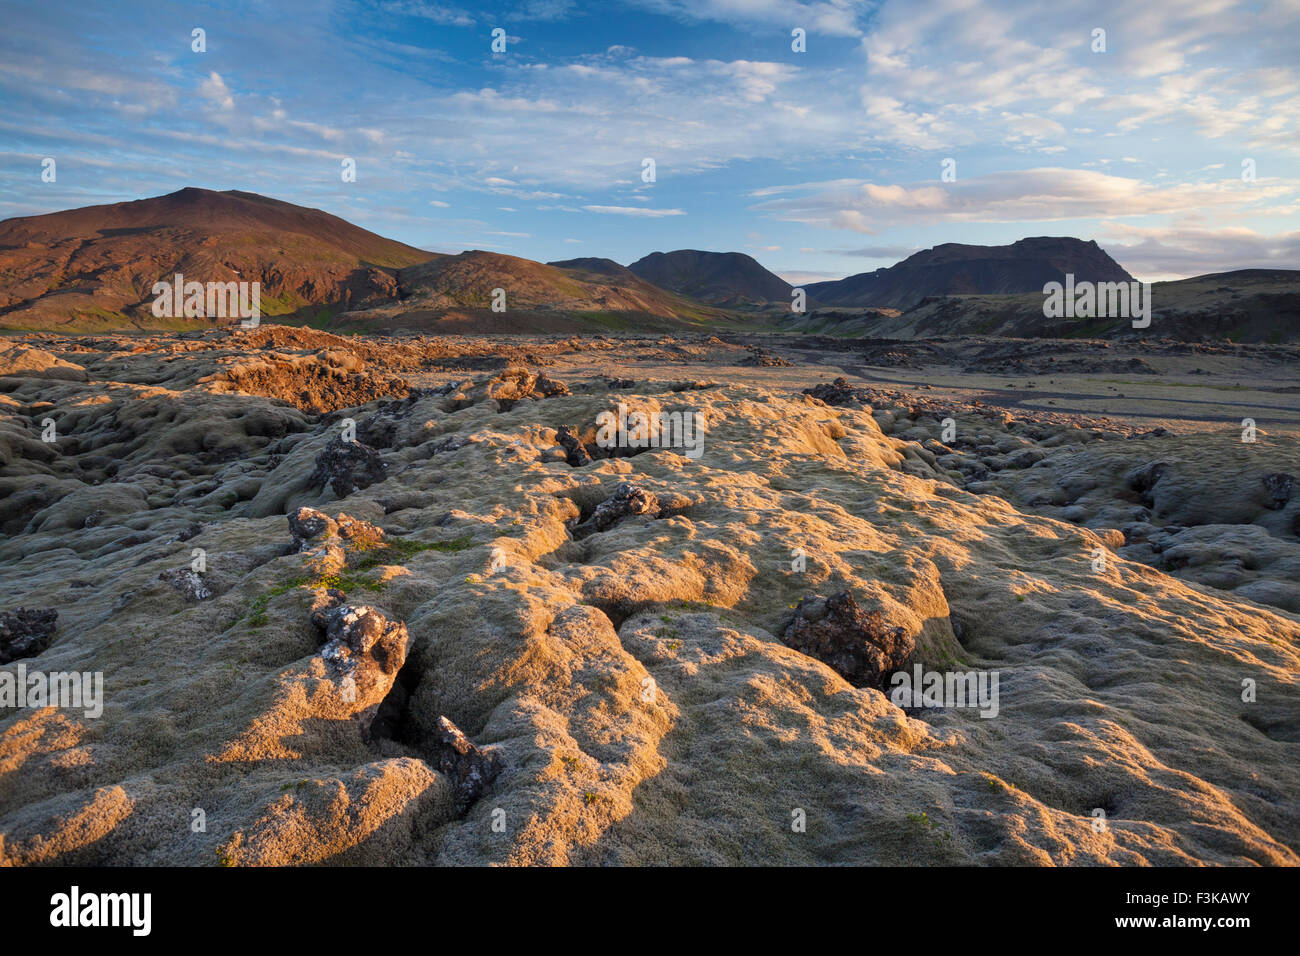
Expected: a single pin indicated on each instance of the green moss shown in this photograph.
(354, 578)
(923, 820)
(348, 581)
(398, 550)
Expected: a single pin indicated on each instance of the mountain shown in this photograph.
(957, 269)
(95, 267)
(730, 279)
(580, 285)
(1248, 305)
(597, 266)
(455, 293)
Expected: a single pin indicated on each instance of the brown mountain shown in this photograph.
(95, 267)
(730, 279)
(957, 269)
(456, 294)
(468, 280)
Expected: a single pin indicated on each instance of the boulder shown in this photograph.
(470, 768)
(347, 467)
(855, 643)
(26, 632)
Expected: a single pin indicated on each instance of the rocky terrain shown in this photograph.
(390, 600)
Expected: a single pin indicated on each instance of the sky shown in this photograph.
(897, 127)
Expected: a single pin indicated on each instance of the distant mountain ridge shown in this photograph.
(729, 279)
(1246, 305)
(957, 269)
(93, 269)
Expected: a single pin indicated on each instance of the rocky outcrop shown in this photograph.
(1278, 486)
(838, 392)
(25, 632)
(364, 650)
(575, 453)
(628, 500)
(855, 643)
(470, 768)
(347, 467)
(188, 582)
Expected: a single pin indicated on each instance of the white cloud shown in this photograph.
(214, 90)
(831, 17)
(1027, 195)
(1167, 252)
(437, 12)
(634, 211)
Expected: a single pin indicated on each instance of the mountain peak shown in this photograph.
(720, 278)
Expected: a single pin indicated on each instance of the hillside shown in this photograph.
(455, 293)
(730, 279)
(94, 267)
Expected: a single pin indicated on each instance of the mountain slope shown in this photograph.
(722, 278)
(468, 280)
(95, 267)
(457, 293)
(957, 269)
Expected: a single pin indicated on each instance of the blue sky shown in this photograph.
(820, 164)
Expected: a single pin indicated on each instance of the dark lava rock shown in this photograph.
(1143, 478)
(627, 500)
(308, 524)
(470, 768)
(188, 582)
(766, 358)
(857, 644)
(361, 644)
(347, 467)
(1279, 485)
(575, 453)
(449, 444)
(190, 532)
(380, 429)
(548, 387)
(25, 632)
(838, 392)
